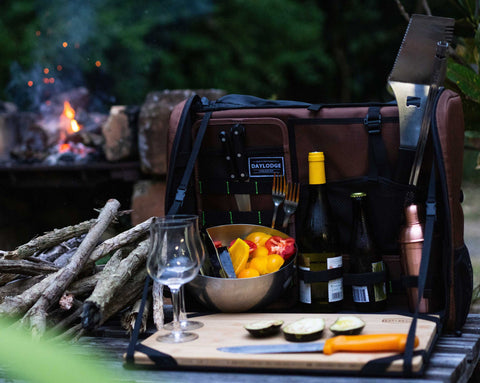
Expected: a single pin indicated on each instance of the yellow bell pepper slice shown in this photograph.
(239, 252)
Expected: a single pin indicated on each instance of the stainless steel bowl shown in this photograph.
(243, 294)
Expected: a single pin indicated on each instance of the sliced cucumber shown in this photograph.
(264, 328)
(304, 330)
(347, 325)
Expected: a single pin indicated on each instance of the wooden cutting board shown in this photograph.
(222, 330)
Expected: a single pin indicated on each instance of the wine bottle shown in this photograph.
(364, 258)
(320, 264)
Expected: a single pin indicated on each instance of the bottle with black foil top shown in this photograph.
(320, 266)
(364, 259)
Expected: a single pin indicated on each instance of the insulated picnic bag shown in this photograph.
(361, 146)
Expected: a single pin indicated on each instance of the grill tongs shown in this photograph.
(416, 78)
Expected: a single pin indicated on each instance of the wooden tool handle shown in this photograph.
(373, 342)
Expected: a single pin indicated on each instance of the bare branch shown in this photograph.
(402, 10)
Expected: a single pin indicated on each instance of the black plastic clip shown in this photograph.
(373, 121)
(431, 209)
(180, 196)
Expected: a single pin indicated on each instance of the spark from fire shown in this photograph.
(30, 83)
(64, 44)
(46, 70)
(98, 64)
(59, 67)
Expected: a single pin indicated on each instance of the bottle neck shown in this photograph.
(359, 216)
(316, 172)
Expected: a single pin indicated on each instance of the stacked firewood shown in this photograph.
(52, 284)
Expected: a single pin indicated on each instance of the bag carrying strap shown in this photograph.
(378, 160)
(182, 188)
(182, 143)
(179, 198)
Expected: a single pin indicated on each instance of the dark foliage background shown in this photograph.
(317, 51)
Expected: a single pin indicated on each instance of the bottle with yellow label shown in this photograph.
(320, 266)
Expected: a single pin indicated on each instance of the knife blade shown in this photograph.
(347, 343)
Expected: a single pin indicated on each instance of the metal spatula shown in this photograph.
(411, 79)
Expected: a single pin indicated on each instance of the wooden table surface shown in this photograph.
(453, 360)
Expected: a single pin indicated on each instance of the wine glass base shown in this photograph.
(185, 325)
(180, 337)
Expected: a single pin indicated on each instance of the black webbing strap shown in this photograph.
(321, 275)
(181, 141)
(422, 277)
(138, 322)
(377, 152)
(179, 197)
(365, 279)
(182, 188)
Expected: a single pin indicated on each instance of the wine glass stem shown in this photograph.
(182, 316)
(176, 311)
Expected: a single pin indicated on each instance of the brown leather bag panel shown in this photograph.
(451, 130)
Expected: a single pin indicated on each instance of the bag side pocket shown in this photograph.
(463, 291)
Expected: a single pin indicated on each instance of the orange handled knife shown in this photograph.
(347, 343)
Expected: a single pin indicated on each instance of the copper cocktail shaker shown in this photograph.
(411, 243)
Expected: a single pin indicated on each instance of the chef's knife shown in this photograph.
(348, 343)
(410, 80)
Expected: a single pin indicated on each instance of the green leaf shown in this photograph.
(477, 40)
(45, 361)
(467, 80)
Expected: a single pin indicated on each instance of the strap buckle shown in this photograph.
(180, 196)
(431, 209)
(373, 124)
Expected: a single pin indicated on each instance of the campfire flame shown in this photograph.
(69, 114)
(69, 126)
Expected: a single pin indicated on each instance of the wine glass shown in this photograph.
(173, 260)
(188, 324)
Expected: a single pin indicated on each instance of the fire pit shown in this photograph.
(60, 163)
